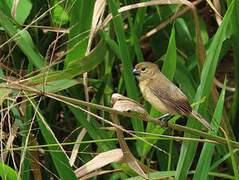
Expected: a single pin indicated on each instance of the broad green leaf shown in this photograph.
(7, 172)
(59, 85)
(170, 61)
(22, 11)
(184, 36)
(59, 80)
(235, 36)
(75, 68)
(188, 149)
(80, 21)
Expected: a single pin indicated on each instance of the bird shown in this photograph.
(162, 94)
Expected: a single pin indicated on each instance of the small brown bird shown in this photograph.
(163, 94)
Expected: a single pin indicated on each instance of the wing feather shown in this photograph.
(171, 96)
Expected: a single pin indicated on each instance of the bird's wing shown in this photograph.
(171, 96)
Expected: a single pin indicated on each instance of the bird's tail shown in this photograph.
(202, 120)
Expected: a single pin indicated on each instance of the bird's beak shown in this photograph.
(136, 72)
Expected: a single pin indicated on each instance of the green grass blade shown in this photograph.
(129, 80)
(58, 85)
(188, 148)
(22, 11)
(22, 39)
(219, 161)
(60, 15)
(170, 174)
(169, 65)
(184, 78)
(204, 162)
(235, 40)
(139, 19)
(80, 19)
(184, 36)
(76, 67)
(111, 43)
(7, 172)
(234, 163)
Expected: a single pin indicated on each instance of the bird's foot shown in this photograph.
(164, 123)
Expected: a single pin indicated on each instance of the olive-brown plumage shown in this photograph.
(162, 93)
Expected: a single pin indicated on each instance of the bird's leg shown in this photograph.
(168, 115)
(163, 116)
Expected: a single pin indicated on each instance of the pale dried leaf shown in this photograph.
(76, 147)
(133, 163)
(14, 8)
(99, 9)
(214, 8)
(218, 11)
(101, 160)
(124, 104)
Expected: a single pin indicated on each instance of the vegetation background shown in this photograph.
(61, 60)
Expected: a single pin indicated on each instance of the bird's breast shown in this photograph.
(151, 98)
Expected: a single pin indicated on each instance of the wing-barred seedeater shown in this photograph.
(161, 93)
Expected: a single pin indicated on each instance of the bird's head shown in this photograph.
(145, 70)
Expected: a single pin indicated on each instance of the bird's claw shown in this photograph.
(164, 123)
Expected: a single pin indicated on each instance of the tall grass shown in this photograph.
(62, 60)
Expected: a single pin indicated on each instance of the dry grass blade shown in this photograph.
(218, 11)
(27, 138)
(153, 3)
(11, 137)
(46, 125)
(76, 147)
(99, 161)
(14, 8)
(214, 8)
(220, 85)
(99, 9)
(46, 29)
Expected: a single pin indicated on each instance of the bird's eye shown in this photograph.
(143, 69)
